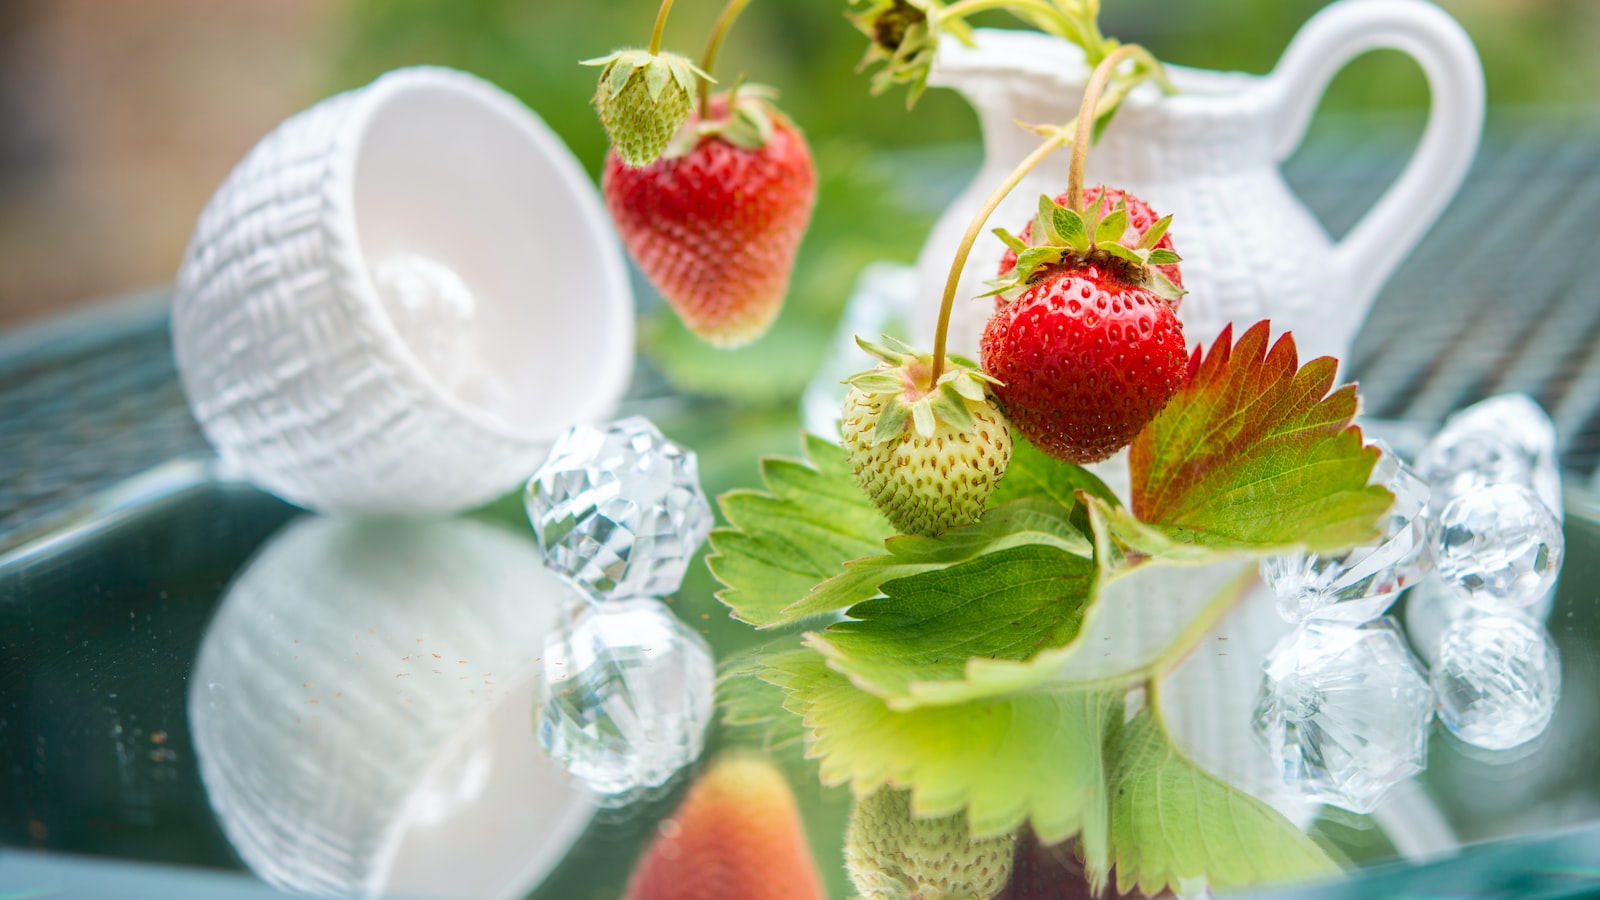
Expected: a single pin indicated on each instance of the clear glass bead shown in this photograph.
(1498, 677)
(618, 509)
(626, 695)
(1344, 712)
(1498, 547)
(1361, 584)
(1506, 439)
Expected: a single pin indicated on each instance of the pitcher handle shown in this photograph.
(1332, 38)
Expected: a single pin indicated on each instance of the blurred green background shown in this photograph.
(1535, 52)
(122, 117)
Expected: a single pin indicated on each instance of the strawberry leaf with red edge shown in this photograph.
(1254, 453)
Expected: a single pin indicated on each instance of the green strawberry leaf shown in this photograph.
(1061, 758)
(812, 519)
(1255, 453)
(999, 622)
(1027, 521)
(1175, 826)
(1033, 473)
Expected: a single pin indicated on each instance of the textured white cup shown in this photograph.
(399, 298)
(361, 711)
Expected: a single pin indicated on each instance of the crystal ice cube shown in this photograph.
(626, 695)
(1499, 547)
(1506, 439)
(618, 509)
(1498, 677)
(1344, 712)
(1361, 584)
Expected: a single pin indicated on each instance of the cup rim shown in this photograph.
(614, 369)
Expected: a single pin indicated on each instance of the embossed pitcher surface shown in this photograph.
(1211, 156)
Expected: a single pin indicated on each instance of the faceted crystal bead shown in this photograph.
(626, 695)
(1506, 439)
(1344, 712)
(1498, 678)
(1361, 584)
(1498, 547)
(618, 509)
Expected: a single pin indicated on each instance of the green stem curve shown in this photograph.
(661, 26)
(708, 59)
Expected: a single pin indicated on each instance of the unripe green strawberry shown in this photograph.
(929, 457)
(893, 856)
(643, 99)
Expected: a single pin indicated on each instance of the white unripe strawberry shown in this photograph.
(893, 856)
(928, 457)
(643, 99)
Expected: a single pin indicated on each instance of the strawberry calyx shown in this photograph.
(905, 38)
(902, 378)
(743, 116)
(1061, 236)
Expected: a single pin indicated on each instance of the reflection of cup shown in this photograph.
(361, 712)
(400, 297)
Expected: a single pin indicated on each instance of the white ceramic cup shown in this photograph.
(399, 298)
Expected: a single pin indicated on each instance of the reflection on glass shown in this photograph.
(626, 697)
(360, 710)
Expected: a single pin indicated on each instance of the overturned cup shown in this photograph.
(399, 298)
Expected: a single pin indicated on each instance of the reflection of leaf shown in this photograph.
(1061, 759)
(1175, 826)
(783, 542)
(977, 627)
(1023, 757)
(1254, 451)
(752, 707)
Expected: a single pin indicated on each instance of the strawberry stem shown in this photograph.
(661, 26)
(708, 59)
(971, 237)
(1042, 13)
(1086, 118)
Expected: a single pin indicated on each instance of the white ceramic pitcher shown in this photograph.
(1211, 157)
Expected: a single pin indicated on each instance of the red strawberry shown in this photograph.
(1086, 346)
(1140, 218)
(716, 222)
(738, 834)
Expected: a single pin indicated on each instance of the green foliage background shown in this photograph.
(1535, 52)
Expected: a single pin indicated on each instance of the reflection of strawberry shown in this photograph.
(716, 222)
(1085, 345)
(737, 835)
(1140, 218)
(892, 855)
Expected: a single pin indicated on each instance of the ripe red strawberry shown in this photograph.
(1086, 347)
(1140, 218)
(716, 222)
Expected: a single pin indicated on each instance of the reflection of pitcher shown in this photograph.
(1210, 156)
(360, 709)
